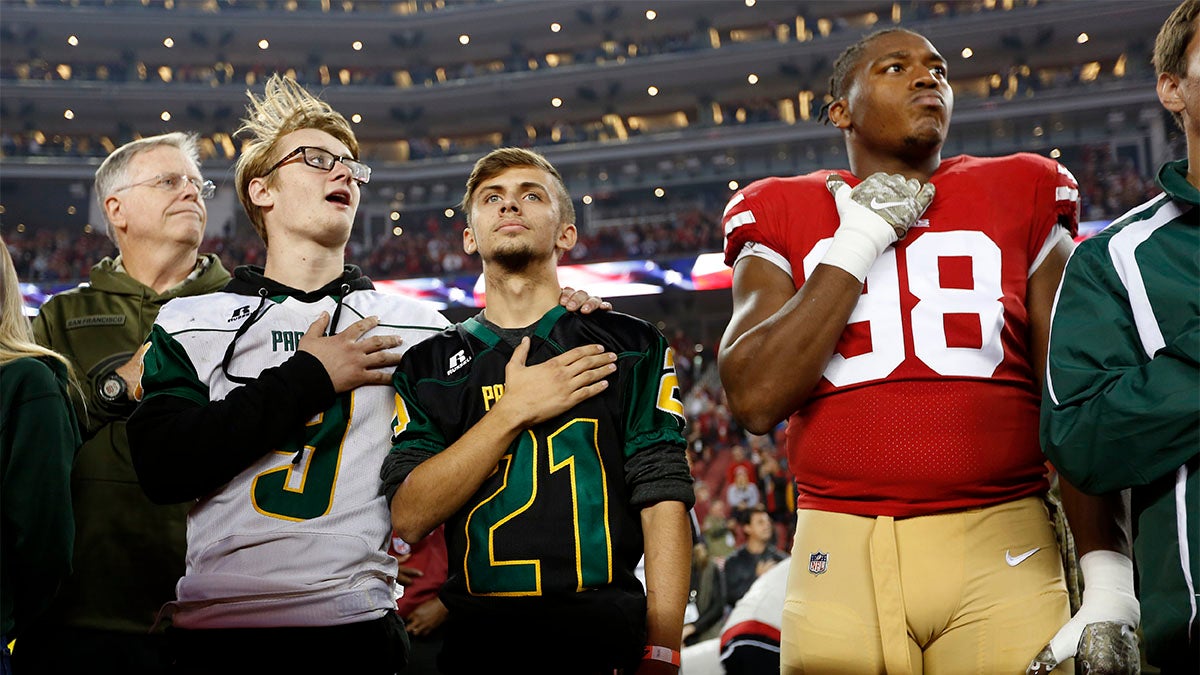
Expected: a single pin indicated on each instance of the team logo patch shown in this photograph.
(818, 562)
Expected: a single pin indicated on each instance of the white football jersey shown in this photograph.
(300, 537)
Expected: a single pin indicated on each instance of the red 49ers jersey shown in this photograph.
(929, 403)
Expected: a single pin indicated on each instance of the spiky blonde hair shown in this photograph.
(284, 107)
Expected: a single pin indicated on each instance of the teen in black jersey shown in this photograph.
(551, 445)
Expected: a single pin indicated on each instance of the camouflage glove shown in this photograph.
(1105, 648)
(874, 215)
(1101, 634)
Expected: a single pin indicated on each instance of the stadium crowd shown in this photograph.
(1109, 186)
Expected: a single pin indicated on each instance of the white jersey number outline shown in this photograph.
(880, 308)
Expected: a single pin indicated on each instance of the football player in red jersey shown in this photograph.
(901, 323)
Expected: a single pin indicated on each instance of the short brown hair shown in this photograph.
(502, 159)
(285, 107)
(1170, 47)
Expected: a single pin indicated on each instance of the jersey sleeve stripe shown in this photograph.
(760, 251)
(737, 199)
(736, 221)
(1056, 233)
(1063, 193)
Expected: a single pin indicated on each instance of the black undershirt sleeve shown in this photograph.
(659, 474)
(183, 451)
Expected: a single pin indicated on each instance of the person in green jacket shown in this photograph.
(129, 552)
(38, 440)
(1121, 408)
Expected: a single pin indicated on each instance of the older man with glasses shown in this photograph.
(128, 552)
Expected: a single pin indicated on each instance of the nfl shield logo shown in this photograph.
(818, 562)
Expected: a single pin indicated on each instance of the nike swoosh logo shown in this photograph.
(876, 204)
(1013, 561)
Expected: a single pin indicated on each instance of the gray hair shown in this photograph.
(115, 168)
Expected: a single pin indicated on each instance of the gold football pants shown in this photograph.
(975, 591)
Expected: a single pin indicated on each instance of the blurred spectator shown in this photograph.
(740, 460)
(422, 571)
(706, 598)
(778, 498)
(752, 558)
(703, 497)
(750, 637)
(718, 530)
(742, 496)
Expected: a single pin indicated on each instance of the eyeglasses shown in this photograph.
(174, 182)
(320, 158)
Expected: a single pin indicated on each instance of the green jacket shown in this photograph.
(129, 553)
(1121, 406)
(38, 439)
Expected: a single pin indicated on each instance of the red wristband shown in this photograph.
(664, 654)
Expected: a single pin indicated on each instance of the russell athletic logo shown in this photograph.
(458, 361)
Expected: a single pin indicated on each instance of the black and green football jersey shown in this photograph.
(561, 513)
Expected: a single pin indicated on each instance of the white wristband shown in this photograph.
(1107, 596)
(1111, 574)
(858, 242)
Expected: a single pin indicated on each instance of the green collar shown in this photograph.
(1172, 178)
(541, 329)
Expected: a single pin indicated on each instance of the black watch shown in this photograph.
(113, 391)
